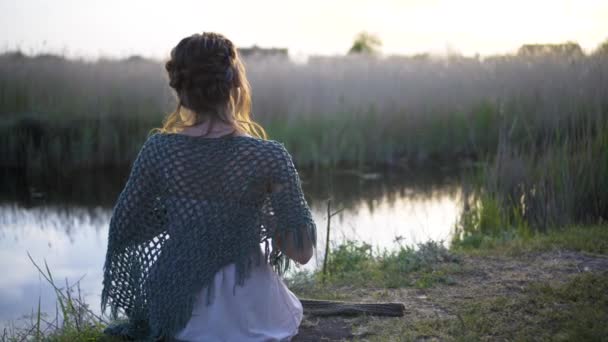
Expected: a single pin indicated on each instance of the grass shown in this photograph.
(576, 310)
(73, 321)
(355, 265)
(563, 309)
(590, 239)
(566, 309)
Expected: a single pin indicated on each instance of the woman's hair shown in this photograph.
(209, 79)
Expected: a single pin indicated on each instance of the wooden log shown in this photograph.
(335, 308)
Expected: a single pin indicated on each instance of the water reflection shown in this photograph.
(72, 241)
(64, 219)
(408, 219)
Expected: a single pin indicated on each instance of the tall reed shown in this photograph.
(332, 111)
(543, 176)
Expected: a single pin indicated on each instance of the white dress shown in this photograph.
(263, 309)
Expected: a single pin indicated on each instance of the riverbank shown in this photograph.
(546, 287)
(557, 295)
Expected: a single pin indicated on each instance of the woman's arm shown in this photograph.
(295, 230)
(300, 254)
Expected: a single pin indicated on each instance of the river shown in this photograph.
(63, 221)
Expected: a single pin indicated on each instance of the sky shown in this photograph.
(120, 28)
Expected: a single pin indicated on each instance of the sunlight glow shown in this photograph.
(151, 28)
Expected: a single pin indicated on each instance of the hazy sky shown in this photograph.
(150, 28)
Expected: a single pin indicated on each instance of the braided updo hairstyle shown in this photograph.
(209, 79)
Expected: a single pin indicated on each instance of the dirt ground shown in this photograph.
(477, 277)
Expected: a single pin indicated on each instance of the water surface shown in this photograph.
(63, 220)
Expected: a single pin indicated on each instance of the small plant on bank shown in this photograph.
(73, 320)
(356, 264)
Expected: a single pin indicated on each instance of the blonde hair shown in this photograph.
(208, 76)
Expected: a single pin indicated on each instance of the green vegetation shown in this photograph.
(576, 310)
(548, 171)
(366, 43)
(571, 307)
(591, 239)
(349, 111)
(73, 321)
(553, 180)
(356, 265)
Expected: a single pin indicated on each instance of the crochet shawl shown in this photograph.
(191, 206)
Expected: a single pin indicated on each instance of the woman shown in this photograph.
(207, 190)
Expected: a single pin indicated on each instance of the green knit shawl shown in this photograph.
(191, 206)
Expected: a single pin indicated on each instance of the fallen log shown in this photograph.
(335, 308)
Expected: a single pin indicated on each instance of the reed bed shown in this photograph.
(330, 111)
(536, 183)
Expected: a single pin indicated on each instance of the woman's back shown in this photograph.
(193, 207)
(231, 169)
